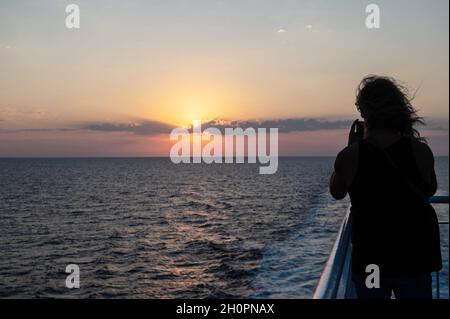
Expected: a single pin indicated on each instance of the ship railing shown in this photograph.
(335, 281)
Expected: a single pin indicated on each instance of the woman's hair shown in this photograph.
(384, 103)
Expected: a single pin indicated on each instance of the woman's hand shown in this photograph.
(356, 132)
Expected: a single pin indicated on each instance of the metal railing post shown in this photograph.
(438, 289)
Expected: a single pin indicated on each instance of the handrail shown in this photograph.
(335, 267)
(328, 285)
(439, 200)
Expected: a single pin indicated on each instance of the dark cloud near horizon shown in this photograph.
(20, 130)
(436, 124)
(309, 124)
(283, 125)
(149, 128)
(141, 128)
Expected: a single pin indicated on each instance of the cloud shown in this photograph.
(436, 124)
(36, 130)
(144, 127)
(283, 125)
(149, 127)
(9, 113)
(307, 124)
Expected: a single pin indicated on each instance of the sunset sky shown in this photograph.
(136, 69)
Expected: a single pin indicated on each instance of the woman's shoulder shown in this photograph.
(424, 160)
(421, 147)
(423, 156)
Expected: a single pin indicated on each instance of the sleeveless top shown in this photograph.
(392, 226)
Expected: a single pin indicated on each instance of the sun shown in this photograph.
(196, 123)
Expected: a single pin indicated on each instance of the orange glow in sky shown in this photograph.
(173, 62)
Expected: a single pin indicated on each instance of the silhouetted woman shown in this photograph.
(388, 171)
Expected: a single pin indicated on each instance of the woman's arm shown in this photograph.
(345, 168)
(338, 189)
(346, 162)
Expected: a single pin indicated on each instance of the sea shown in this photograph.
(147, 228)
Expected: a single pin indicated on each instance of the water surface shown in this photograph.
(146, 228)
